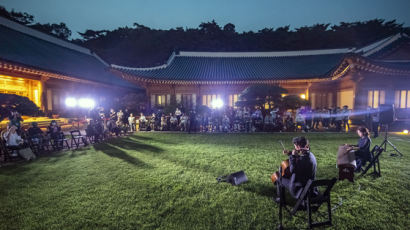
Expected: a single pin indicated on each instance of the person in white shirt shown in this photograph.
(131, 122)
(13, 140)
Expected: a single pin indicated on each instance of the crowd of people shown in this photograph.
(15, 138)
(229, 119)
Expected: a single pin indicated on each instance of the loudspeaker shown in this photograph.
(386, 113)
(236, 178)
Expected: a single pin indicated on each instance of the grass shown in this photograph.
(167, 181)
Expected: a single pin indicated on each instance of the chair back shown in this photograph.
(75, 133)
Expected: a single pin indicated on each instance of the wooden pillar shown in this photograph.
(43, 94)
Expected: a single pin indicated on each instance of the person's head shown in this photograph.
(13, 129)
(362, 131)
(111, 110)
(141, 114)
(34, 124)
(131, 114)
(53, 123)
(300, 142)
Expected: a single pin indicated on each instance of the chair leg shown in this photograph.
(309, 211)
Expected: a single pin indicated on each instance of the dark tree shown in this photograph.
(23, 105)
(58, 30)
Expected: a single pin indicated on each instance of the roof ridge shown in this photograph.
(378, 45)
(265, 53)
(43, 36)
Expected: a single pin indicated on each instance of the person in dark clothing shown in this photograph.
(302, 165)
(54, 131)
(362, 149)
(36, 134)
(375, 122)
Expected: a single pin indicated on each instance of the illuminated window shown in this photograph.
(375, 98)
(233, 98)
(160, 99)
(402, 99)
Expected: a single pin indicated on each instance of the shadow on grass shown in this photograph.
(262, 190)
(118, 153)
(131, 144)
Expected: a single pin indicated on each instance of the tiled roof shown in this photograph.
(22, 45)
(377, 49)
(222, 66)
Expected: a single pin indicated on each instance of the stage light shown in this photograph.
(303, 96)
(86, 103)
(70, 102)
(405, 131)
(217, 103)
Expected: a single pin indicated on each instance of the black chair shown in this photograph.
(77, 138)
(310, 200)
(374, 162)
(60, 142)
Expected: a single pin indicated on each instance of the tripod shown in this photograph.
(386, 141)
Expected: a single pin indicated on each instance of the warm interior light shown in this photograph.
(70, 102)
(405, 131)
(217, 103)
(86, 103)
(303, 96)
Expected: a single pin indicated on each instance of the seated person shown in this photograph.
(13, 141)
(362, 149)
(54, 131)
(36, 134)
(302, 166)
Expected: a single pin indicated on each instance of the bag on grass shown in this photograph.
(27, 154)
(235, 178)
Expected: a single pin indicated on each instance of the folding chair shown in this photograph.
(374, 162)
(313, 198)
(77, 138)
(60, 140)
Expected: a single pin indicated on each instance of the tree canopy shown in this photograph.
(142, 46)
(21, 104)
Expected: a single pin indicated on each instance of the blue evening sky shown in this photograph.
(80, 15)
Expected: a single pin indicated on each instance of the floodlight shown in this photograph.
(405, 131)
(86, 103)
(303, 96)
(217, 103)
(70, 102)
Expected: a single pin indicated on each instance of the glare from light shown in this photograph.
(70, 102)
(217, 103)
(303, 96)
(86, 103)
(405, 131)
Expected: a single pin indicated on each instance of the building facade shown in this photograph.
(47, 70)
(357, 77)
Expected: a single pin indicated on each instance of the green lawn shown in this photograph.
(167, 181)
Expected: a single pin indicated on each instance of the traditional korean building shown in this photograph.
(47, 70)
(358, 77)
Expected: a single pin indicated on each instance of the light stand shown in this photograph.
(386, 141)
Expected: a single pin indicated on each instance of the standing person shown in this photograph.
(131, 122)
(316, 118)
(192, 122)
(15, 119)
(368, 117)
(375, 122)
(326, 118)
(125, 118)
(178, 114)
(300, 121)
(346, 117)
(338, 117)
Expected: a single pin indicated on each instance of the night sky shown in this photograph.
(80, 15)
